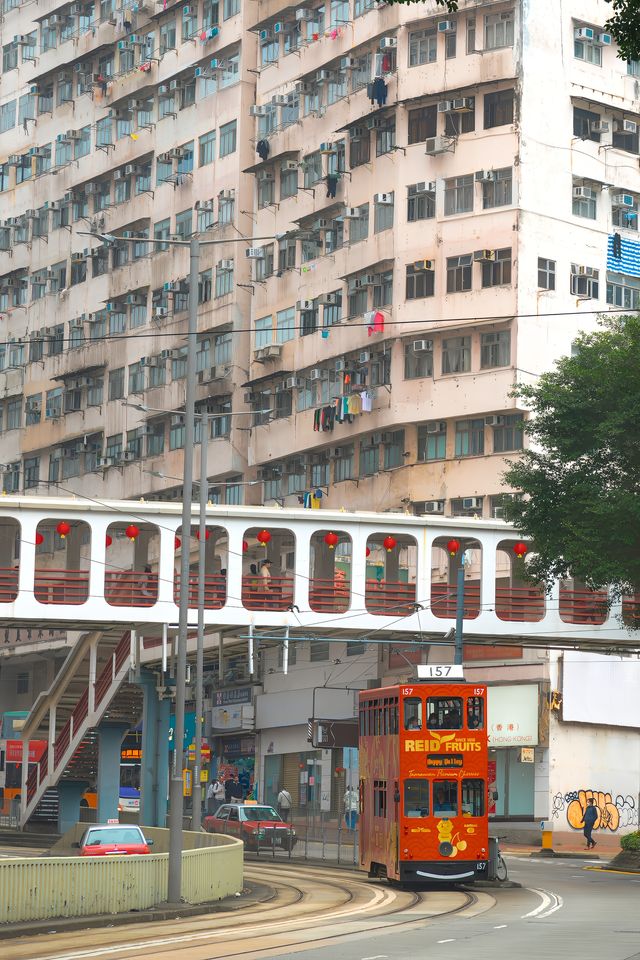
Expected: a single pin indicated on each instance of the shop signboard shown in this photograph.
(513, 715)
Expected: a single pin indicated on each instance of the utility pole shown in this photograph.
(196, 820)
(458, 657)
(176, 799)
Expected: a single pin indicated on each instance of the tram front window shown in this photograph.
(413, 714)
(445, 798)
(444, 713)
(416, 798)
(473, 794)
(475, 713)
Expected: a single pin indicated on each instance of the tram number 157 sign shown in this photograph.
(446, 671)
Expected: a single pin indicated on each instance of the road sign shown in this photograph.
(333, 733)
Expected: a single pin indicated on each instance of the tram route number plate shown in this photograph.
(438, 761)
(442, 671)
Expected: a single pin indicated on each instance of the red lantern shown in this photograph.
(263, 537)
(207, 534)
(452, 547)
(245, 546)
(132, 532)
(177, 543)
(63, 529)
(39, 539)
(367, 552)
(520, 549)
(108, 540)
(389, 543)
(331, 539)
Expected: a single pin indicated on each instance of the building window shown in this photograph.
(469, 438)
(312, 167)
(224, 279)
(286, 325)
(383, 214)
(508, 434)
(495, 349)
(343, 468)
(53, 406)
(207, 148)
(176, 434)
(459, 273)
(423, 47)
(498, 31)
(184, 224)
(622, 139)
(633, 68)
(498, 108)
(584, 122)
(458, 195)
(467, 507)
(456, 355)
(228, 138)
(167, 36)
(463, 122)
(497, 272)
(584, 206)
(418, 359)
(432, 441)
(625, 215)
(31, 472)
(116, 384)
(587, 51)
(360, 148)
(497, 192)
(266, 189)
(423, 123)
(136, 378)
(369, 458)
(359, 226)
(386, 138)
(393, 450)
(421, 202)
(546, 274)
(288, 181)
(14, 414)
(623, 291)
(419, 283)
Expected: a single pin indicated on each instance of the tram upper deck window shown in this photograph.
(413, 713)
(475, 713)
(444, 713)
(416, 798)
(473, 795)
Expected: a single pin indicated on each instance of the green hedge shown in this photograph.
(631, 841)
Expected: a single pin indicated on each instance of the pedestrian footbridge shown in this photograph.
(80, 564)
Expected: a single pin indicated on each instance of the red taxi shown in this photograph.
(112, 840)
(258, 825)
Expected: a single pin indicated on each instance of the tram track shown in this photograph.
(309, 907)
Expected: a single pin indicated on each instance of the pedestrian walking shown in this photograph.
(211, 797)
(284, 804)
(236, 790)
(589, 820)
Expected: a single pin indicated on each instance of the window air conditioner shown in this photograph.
(437, 145)
(485, 176)
(484, 256)
(426, 265)
(494, 421)
(436, 426)
(472, 503)
(388, 43)
(254, 253)
(257, 111)
(444, 106)
(329, 300)
(303, 305)
(622, 200)
(384, 199)
(584, 33)
(434, 506)
(584, 193)
(447, 26)
(422, 346)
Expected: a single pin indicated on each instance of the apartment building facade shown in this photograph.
(447, 200)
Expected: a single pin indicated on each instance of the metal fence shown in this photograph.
(316, 837)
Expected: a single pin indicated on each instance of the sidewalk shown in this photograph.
(567, 844)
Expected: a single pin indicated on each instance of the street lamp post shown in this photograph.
(176, 799)
(196, 820)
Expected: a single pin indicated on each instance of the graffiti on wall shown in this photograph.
(612, 813)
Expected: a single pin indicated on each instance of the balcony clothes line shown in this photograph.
(342, 410)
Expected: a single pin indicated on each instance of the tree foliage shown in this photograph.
(581, 475)
(623, 25)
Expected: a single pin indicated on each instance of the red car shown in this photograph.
(258, 826)
(113, 840)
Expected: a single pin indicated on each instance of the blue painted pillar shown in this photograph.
(109, 744)
(69, 794)
(154, 771)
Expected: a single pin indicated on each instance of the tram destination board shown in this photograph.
(437, 761)
(333, 733)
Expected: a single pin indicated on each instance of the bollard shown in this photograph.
(546, 829)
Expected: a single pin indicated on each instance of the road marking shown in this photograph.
(501, 926)
(378, 956)
(447, 941)
(550, 902)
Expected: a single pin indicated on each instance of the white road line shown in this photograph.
(501, 926)
(378, 956)
(550, 902)
(447, 941)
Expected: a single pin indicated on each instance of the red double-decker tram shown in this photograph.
(423, 781)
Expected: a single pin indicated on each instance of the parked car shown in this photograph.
(258, 825)
(110, 840)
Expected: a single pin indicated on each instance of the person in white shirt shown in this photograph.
(284, 804)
